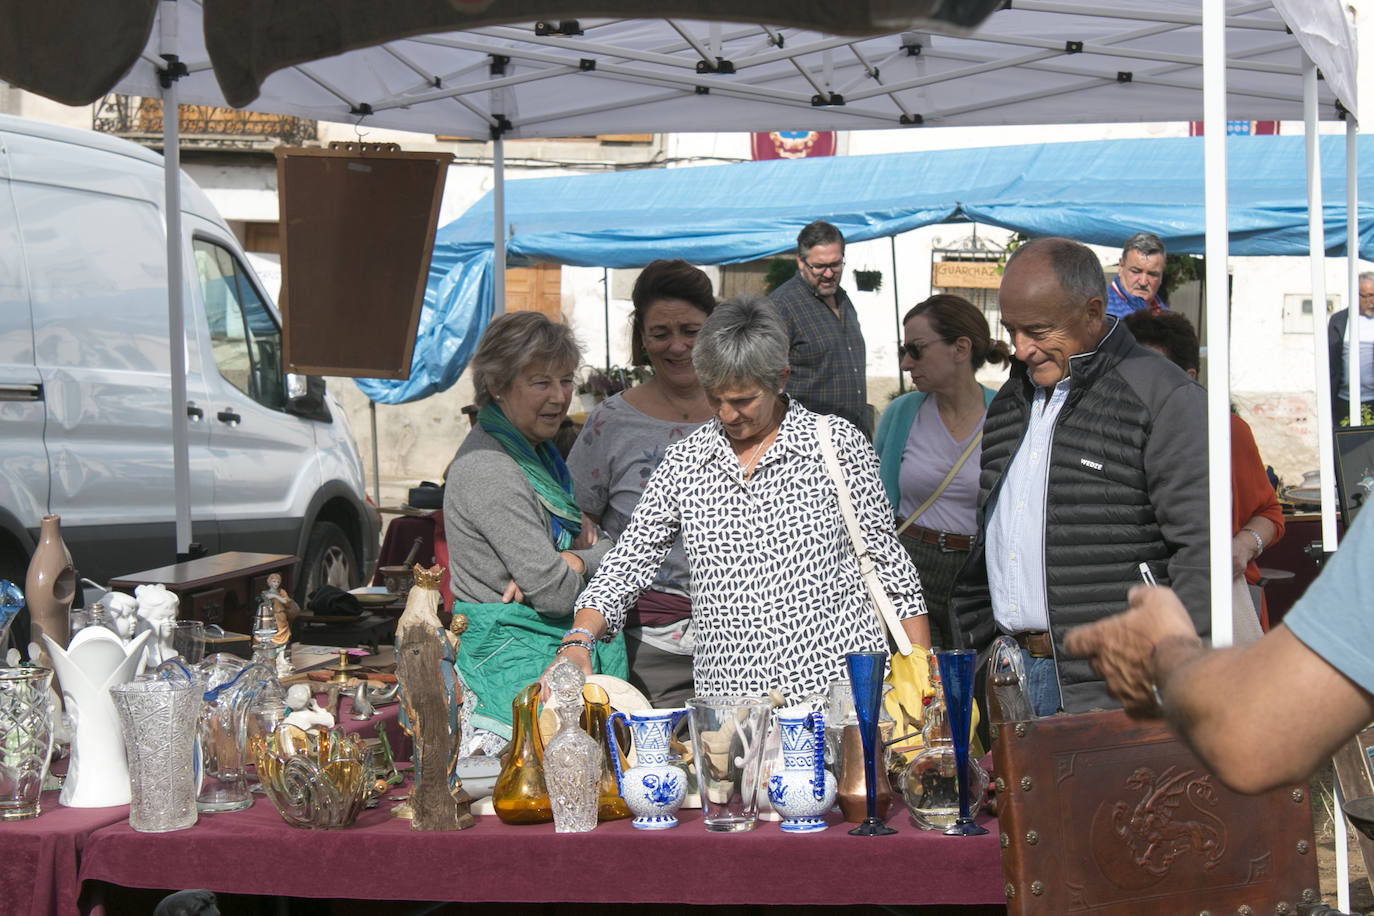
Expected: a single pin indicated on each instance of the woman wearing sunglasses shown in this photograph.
(929, 443)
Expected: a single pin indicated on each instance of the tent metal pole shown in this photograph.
(1316, 235)
(897, 313)
(1352, 259)
(176, 314)
(498, 226)
(376, 463)
(606, 315)
(1316, 242)
(1218, 315)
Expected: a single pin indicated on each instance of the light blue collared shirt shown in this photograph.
(1016, 527)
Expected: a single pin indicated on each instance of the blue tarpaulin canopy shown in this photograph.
(1097, 192)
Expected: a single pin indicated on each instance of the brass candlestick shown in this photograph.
(344, 670)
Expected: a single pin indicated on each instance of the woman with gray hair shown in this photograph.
(520, 550)
(777, 595)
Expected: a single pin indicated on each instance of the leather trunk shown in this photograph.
(1100, 813)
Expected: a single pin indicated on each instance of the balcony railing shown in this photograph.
(140, 118)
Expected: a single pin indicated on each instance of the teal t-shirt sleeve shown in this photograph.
(1335, 616)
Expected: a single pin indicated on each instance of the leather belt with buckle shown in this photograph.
(947, 541)
(1036, 642)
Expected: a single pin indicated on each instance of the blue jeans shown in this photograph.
(1042, 684)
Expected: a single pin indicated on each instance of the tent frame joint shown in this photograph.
(721, 65)
(565, 27)
(175, 70)
(501, 127)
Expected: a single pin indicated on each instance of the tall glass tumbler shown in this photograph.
(159, 719)
(25, 739)
(727, 750)
(188, 639)
(956, 673)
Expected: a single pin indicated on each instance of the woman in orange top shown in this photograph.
(1256, 517)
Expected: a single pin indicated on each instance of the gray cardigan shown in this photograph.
(497, 530)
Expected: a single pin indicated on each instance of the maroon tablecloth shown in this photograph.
(39, 857)
(367, 728)
(380, 858)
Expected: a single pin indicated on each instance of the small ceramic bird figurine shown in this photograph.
(362, 709)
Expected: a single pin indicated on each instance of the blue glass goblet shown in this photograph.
(956, 673)
(866, 680)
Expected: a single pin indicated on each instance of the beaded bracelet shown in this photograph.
(585, 632)
(581, 644)
(1259, 541)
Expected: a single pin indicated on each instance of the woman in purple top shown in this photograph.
(925, 434)
(622, 442)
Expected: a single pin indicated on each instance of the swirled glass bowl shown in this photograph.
(316, 781)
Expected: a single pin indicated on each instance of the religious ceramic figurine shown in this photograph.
(430, 701)
(284, 610)
(422, 613)
(572, 758)
(158, 608)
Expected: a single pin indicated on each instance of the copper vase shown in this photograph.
(520, 795)
(596, 711)
(50, 587)
(852, 796)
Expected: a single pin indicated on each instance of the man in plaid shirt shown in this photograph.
(828, 357)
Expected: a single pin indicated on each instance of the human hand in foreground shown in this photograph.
(577, 655)
(575, 563)
(589, 534)
(512, 594)
(1243, 550)
(1122, 648)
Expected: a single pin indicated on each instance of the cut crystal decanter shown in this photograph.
(572, 759)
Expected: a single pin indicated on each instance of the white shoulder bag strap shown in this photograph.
(887, 614)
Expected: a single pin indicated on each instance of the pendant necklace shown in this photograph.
(749, 465)
(673, 407)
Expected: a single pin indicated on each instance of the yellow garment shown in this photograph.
(909, 676)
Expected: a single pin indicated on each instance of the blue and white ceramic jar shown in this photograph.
(802, 792)
(653, 788)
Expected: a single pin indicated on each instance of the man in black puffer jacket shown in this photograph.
(1094, 461)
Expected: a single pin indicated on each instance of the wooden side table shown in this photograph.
(222, 589)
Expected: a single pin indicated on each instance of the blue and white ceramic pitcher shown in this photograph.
(803, 791)
(653, 788)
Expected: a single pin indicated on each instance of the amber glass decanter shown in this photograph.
(596, 711)
(521, 796)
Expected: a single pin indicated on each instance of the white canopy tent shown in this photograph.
(1034, 62)
(399, 63)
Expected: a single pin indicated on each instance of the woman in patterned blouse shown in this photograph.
(621, 443)
(777, 596)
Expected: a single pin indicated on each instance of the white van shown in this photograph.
(85, 397)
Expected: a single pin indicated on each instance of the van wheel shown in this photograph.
(329, 560)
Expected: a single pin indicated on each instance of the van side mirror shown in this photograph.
(305, 397)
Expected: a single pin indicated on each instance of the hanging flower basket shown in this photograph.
(601, 383)
(868, 281)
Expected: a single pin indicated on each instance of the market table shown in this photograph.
(40, 858)
(381, 858)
